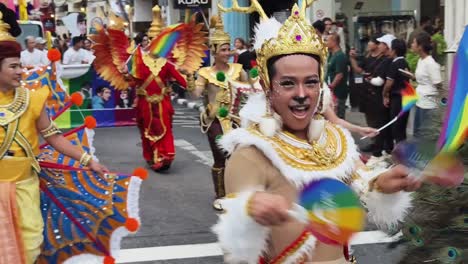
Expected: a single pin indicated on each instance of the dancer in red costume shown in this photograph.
(155, 111)
(150, 71)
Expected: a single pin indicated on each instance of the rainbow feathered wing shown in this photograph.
(183, 44)
(85, 214)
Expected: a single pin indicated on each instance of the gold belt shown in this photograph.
(155, 98)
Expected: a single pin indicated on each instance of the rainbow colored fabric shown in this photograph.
(408, 98)
(135, 63)
(455, 129)
(163, 45)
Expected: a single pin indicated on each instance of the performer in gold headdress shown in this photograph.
(214, 83)
(23, 118)
(288, 144)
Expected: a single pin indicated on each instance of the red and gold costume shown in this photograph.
(154, 114)
(150, 76)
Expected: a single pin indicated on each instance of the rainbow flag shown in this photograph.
(134, 63)
(455, 129)
(408, 98)
(161, 47)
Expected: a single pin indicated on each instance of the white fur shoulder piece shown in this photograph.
(266, 30)
(340, 170)
(385, 210)
(242, 239)
(253, 110)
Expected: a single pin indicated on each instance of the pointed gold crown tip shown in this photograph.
(296, 36)
(219, 36)
(4, 30)
(157, 25)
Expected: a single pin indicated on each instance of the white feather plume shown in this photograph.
(265, 30)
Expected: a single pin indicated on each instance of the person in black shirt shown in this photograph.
(367, 95)
(380, 113)
(395, 83)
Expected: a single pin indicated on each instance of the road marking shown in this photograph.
(181, 101)
(203, 157)
(213, 249)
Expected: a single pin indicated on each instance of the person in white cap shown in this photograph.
(32, 57)
(383, 142)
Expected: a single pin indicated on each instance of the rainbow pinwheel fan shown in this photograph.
(332, 210)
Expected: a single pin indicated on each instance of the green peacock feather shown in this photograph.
(436, 230)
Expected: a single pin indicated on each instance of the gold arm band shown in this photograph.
(51, 130)
(191, 83)
(85, 159)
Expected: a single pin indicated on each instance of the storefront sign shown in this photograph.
(182, 4)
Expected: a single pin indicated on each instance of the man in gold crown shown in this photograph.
(215, 84)
(23, 118)
(289, 145)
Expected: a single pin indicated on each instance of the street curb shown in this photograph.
(196, 105)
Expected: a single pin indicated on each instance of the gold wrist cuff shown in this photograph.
(373, 186)
(51, 130)
(85, 159)
(248, 205)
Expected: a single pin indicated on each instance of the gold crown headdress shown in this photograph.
(4, 30)
(157, 25)
(295, 36)
(219, 36)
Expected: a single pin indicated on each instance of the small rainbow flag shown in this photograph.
(161, 46)
(408, 98)
(134, 63)
(455, 129)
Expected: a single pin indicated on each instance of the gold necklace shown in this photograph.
(14, 110)
(325, 154)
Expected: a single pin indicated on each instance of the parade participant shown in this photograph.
(217, 93)
(292, 146)
(23, 118)
(149, 67)
(154, 106)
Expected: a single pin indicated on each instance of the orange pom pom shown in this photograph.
(90, 122)
(54, 55)
(141, 173)
(132, 224)
(77, 98)
(109, 260)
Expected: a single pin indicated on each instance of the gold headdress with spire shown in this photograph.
(295, 36)
(4, 33)
(219, 36)
(157, 25)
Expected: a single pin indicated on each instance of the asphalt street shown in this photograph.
(175, 207)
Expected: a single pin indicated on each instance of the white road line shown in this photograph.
(213, 249)
(185, 145)
(192, 105)
(181, 101)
